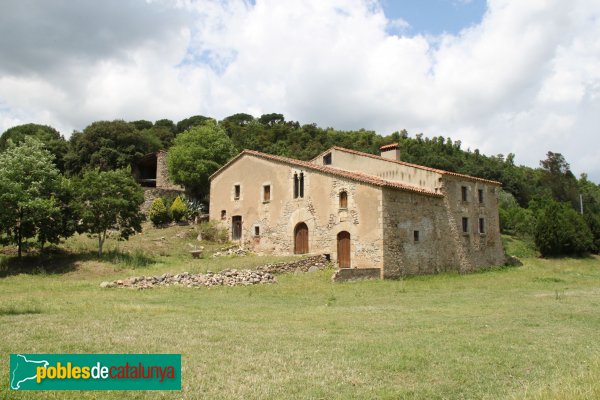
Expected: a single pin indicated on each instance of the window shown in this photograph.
(465, 193)
(256, 230)
(266, 193)
(480, 192)
(237, 191)
(299, 185)
(343, 199)
(223, 214)
(327, 159)
(481, 225)
(416, 236)
(296, 185)
(465, 225)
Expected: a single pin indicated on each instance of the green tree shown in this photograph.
(109, 145)
(560, 230)
(29, 182)
(190, 122)
(158, 212)
(109, 201)
(178, 209)
(198, 153)
(50, 137)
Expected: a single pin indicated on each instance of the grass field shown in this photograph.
(525, 332)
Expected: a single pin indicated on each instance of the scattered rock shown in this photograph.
(224, 278)
(238, 252)
(303, 265)
(231, 277)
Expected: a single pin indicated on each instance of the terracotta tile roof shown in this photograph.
(356, 176)
(389, 146)
(439, 171)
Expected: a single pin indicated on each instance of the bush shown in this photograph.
(560, 230)
(178, 210)
(194, 207)
(212, 232)
(158, 212)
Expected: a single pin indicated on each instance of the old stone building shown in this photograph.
(364, 211)
(151, 173)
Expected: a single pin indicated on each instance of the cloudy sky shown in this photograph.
(502, 76)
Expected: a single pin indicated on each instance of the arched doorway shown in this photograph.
(343, 249)
(301, 238)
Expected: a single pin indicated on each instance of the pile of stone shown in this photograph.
(236, 251)
(224, 278)
(308, 264)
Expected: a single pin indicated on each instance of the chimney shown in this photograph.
(391, 151)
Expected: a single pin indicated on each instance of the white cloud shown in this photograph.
(525, 80)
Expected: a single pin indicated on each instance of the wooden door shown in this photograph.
(236, 227)
(301, 238)
(343, 248)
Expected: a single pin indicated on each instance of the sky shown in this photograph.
(502, 76)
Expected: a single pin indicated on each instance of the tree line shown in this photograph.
(542, 205)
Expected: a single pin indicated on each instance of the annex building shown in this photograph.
(363, 210)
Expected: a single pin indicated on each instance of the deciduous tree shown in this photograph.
(109, 201)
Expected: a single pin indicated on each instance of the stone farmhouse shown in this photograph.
(363, 211)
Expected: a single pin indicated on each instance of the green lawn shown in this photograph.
(523, 332)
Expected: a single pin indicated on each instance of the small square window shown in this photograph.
(223, 214)
(416, 236)
(327, 159)
(481, 225)
(465, 193)
(465, 225)
(237, 191)
(480, 192)
(267, 193)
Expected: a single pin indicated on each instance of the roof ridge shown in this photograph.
(439, 171)
(358, 176)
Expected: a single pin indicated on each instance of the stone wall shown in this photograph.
(442, 245)
(353, 274)
(162, 173)
(151, 194)
(478, 249)
(403, 214)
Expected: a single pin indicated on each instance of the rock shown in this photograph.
(513, 261)
(105, 285)
(314, 268)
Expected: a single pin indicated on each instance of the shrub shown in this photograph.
(560, 230)
(212, 232)
(178, 209)
(194, 207)
(158, 212)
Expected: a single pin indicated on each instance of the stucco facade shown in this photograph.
(364, 211)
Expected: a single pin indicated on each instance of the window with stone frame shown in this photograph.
(237, 190)
(464, 191)
(299, 185)
(416, 236)
(482, 225)
(465, 225)
(480, 195)
(266, 193)
(343, 199)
